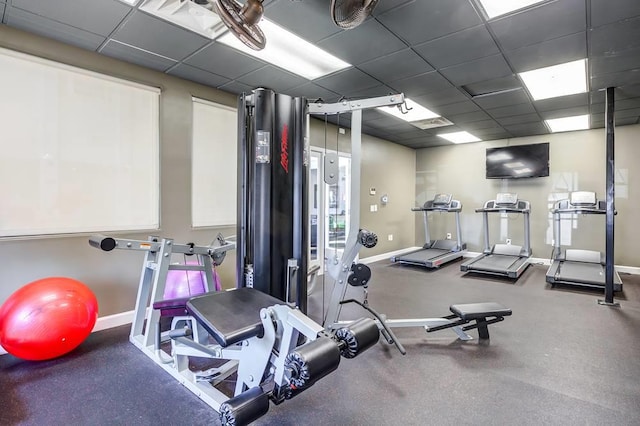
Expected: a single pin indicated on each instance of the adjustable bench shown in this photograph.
(482, 313)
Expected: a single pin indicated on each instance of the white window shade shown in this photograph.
(80, 151)
(214, 154)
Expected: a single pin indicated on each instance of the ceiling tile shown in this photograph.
(371, 92)
(364, 43)
(501, 99)
(463, 46)
(196, 74)
(420, 21)
(442, 97)
(605, 11)
(495, 136)
(615, 79)
(386, 5)
(509, 111)
(272, 78)
(236, 87)
(486, 68)
(519, 119)
(421, 84)
(349, 80)
(154, 35)
(491, 133)
(613, 38)
(485, 125)
(457, 108)
(527, 129)
(384, 122)
(468, 117)
(494, 85)
(313, 91)
(620, 61)
(628, 113)
(552, 52)
(396, 66)
(48, 28)
(579, 99)
(565, 112)
(137, 56)
(225, 61)
(101, 18)
(538, 24)
(620, 105)
(626, 121)
(297, 17)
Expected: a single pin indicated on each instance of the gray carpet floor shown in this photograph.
(560, 359)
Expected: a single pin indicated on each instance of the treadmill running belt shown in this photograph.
(583, 272)
(422, 256)
(495, 263)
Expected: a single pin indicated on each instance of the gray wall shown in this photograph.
(114, 276)
(577, 162)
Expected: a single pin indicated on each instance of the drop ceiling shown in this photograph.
(444, 54)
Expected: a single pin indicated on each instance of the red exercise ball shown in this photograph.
(47, 318)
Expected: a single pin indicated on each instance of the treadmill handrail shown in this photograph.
(503, 210)
(437, 209)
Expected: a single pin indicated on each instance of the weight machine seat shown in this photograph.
(478, 311)
(231, 316)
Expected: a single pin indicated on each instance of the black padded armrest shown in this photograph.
(231, 316)
(472, 311)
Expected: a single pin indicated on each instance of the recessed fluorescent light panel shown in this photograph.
(411, 111)
(578, 122)
(558, 80)
(459, 137)
(495, 8)
(290, 52)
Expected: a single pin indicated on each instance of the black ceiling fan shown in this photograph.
(242, 20)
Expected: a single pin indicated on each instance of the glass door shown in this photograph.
(337, 210)
(329, 210)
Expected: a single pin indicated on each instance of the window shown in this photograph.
(214, 154)
(80, 150)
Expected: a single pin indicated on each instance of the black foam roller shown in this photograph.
(245, 408)
(312, 361)
(358, 336)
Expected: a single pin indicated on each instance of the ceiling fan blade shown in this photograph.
(242, 21)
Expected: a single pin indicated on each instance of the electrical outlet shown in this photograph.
(508, 241)
(390, 237)
(372, 208)
(448, 235)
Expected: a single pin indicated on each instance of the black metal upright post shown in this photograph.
(610, 183)
(272, 193)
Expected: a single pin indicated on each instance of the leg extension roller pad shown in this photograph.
(357, 337)
(244, 408)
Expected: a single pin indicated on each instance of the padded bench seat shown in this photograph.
(482, 313)
(231, 316)
(474, 311)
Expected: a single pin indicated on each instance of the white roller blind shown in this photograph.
(79, 150)
(214, 164)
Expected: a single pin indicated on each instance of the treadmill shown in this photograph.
(506, 260)
(583, 268)
(436, 252)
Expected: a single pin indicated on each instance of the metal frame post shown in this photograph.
(610, 183)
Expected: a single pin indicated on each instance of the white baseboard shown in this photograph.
(388, 255)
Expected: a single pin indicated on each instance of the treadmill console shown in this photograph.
(506, 199)
(583, 198)
(442, 199)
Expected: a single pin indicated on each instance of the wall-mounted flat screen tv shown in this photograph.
(518, 161)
